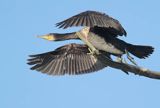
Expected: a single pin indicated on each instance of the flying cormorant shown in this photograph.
(103, 31)
(75, 58)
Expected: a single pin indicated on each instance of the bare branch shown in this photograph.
(122, 66)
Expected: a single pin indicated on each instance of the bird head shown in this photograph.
(49, 37)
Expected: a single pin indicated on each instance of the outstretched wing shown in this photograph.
(70, 59)
(92, 19)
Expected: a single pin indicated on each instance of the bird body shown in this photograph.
(103, 33)
(117, 46)
(103, 30)
(105, 44)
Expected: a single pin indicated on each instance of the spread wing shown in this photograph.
(93, 19)
(70, 59)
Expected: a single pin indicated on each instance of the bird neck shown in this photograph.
(66, 36)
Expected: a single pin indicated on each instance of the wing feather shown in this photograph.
(92, 19)
(71, 59)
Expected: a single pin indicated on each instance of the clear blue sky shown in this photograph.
(22, 20)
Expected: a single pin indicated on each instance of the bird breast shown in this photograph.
(101, 44)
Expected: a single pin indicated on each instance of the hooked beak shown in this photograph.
(47, 37)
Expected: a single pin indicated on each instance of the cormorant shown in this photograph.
(103, 31)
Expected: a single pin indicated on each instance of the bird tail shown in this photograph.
(140, 51)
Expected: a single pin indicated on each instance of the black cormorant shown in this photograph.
(103, 31)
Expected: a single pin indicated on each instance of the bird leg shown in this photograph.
(125, 61)
(131, 59)
(120, 60)
(90, 52)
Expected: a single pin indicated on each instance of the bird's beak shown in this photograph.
(42, 36)
(47, 37)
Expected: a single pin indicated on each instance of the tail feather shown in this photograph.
(140, 51)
